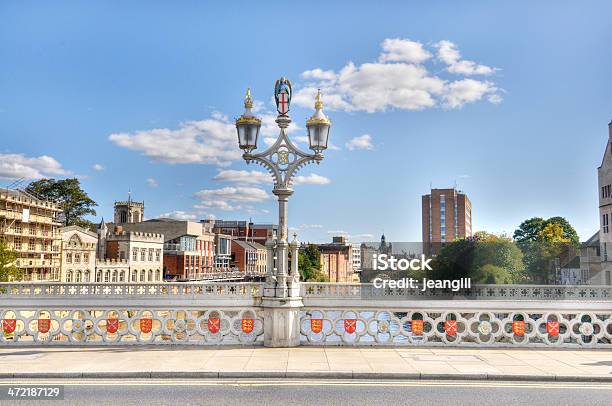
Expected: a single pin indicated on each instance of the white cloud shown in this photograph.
(308, 226)
(450, 55)
(362, 142)
(311, 179)
(337, 232)
(180, 215)
(466, 91)
(210, 141)
(243, 177)
(151, 182)
(230, 198)
(398, 79)
(402, 50)
(98, 167)
(16, 166)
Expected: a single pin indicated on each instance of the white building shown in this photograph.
(78, 254)
(356, 256)
(604, 176)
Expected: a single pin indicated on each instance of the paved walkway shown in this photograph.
(309, 362)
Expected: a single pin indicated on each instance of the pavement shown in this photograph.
(497, 364)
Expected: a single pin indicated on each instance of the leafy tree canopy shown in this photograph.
(8, 270)
(75, 202)
(309, 264)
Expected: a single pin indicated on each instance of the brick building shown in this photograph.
(337, 260)
(446, 216)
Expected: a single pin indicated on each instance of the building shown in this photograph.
(591, 263)
(261, 262)
(142, 252)
(223, 253)
(336, 260)
(129, 211)
(244, 230)
(78, 254)
(446, 216)
(31, 227)
(356, 256)
(604, 177)
(189, 247)
(244, 256)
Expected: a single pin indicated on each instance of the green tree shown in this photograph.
(8, 270)
(309, 264)
(74, 201)
(543, 242)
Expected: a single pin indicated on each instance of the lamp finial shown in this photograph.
(248, 101)
(318, 100)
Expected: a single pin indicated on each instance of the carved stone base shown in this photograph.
(282, 321)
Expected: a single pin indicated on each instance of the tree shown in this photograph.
(309, 264)
(543, 242)
(73, 200)
(8, 270)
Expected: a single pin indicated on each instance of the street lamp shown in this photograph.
(282, 160)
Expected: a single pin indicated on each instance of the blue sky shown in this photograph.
(510, 101)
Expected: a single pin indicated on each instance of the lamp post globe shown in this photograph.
(318, 127)
(248, 126)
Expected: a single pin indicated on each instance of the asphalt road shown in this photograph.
(321, 392)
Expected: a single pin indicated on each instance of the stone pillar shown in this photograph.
(282, 321)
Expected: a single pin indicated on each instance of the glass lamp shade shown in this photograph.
(318, 134)
(248, 132)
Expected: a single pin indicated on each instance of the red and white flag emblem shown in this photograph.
(44, 325)
(283, 102)
(146, 325)
(214, 324)
(350, 325)
(450, 326)
(316, 325)
(9, 325)
(247, 325)
(417, 327)
(552, 328)
(518, 327)
(112, 325)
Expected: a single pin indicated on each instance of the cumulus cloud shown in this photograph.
(16, 166)
(243, 177)
(398, 79)
(362, 142)
(450, 55)
(98, 167)
(311, 179)
(230, 198)
(151, 182)
(210, 141)
(180, 215)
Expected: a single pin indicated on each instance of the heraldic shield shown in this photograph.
(248, 325)
(350, 325)
(417, 327)
(112, 325)
(214, 324)
(552, 328)
(518, 327)
(146, 325)
(9, 325)
(316, 325)
(450, 327)
(44, 325)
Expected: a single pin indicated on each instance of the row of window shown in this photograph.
(114, 276)
(605, 222)
(605, 191)
(76, 257)
(144, 256)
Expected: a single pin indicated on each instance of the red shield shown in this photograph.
(146, 325)
(247, 325)
(552, 328)
(316, 325)
(417, 327)
(44, 325)
(350, 325)
(518, 327)
(112, 325)
(450, 326)
(9, 325)
(214, 325)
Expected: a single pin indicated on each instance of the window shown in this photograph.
(606, 191)
(86, 257)
(134, 276)
(99, 276)
(69, 257)
(157, 254)
(150, 275)
(142, 276)
(151, 250)
(69, 276)
(134, 254)
(77, 258)
(122, 276)
(158, 275)
(605, 223)
(106, 276)
(79, 277)
(114, 276)
(86, 276)
(143, 254)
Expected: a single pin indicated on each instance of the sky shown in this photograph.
(510, 102)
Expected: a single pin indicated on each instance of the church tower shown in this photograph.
(127, 212)
(102, 234)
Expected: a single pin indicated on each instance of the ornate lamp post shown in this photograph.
(282, 160)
